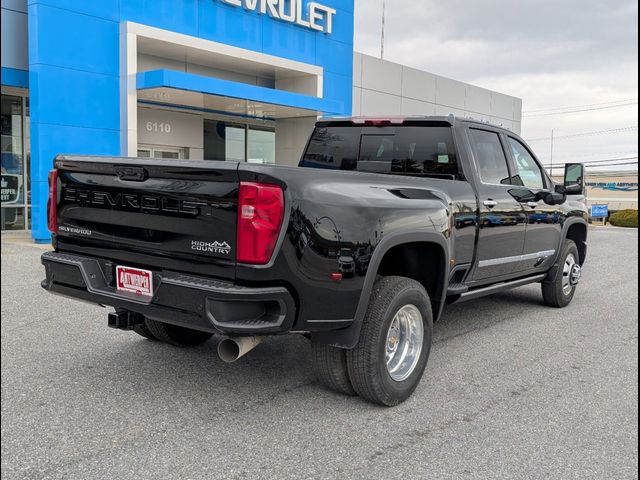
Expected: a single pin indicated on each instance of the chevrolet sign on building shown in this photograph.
(317, 17)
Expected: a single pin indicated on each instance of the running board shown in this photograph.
(499, 287)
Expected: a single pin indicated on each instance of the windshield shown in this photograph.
(408, 150)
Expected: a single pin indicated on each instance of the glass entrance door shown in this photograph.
(237, 142)
(261, 146)
(15, 162)
(224, 141)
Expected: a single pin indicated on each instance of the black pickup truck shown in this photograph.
(385, 222)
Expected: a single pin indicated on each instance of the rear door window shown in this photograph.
(408, 150)
(490, 157)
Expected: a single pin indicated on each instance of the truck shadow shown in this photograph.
(277, 370)
(483, 313)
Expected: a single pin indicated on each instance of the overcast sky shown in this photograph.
(549, 53)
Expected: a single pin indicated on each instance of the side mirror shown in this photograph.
(554, 198)
(573, 179)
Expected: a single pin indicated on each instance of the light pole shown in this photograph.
(551, 167)
(382, 35)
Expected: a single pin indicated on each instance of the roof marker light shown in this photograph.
(378, 122)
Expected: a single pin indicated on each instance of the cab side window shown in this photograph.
(528, 173)
(492, 161)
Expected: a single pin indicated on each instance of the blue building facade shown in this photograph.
(166, 78)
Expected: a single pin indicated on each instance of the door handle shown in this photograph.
(490, 203)
(533, 204)
(133, 174)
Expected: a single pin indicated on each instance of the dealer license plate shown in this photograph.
(134, 280)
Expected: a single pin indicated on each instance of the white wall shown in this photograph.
(387, 88)
(291, 139)
(158, 127)
(151, 62)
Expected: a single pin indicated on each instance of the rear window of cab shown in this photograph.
(401, 150)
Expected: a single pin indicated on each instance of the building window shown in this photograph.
(165, 153)
(261, 146)
(224, 141)
(236, 142)
(14, 127)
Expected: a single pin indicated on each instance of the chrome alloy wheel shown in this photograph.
(404, 342)
(571, 274)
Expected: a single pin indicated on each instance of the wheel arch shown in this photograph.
(577, 230)
(424, 262)
(429, 246)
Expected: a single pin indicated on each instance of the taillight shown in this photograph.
(52, 203)
(260, 216)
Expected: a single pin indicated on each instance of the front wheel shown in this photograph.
(387, 364)
(560, 287)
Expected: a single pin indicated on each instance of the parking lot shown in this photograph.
(513, 390)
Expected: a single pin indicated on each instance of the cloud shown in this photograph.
(475, 38)
(549, 53)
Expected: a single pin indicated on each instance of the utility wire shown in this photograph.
(612, 164)
(607, 165)
(555, 167)
(579, 111)
(587, 134)
(621, 159)
(602, 163)
(615, 174)
(585, 156)
(614, 169)
(573, 107)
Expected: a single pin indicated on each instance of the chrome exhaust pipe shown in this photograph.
(231, 349)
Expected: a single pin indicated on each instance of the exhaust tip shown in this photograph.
(231, 349)
(228, 350)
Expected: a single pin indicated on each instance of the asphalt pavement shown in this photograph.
(513, 390)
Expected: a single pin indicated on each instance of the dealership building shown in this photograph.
(234, 80)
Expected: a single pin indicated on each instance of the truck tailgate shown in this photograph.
(131, 209)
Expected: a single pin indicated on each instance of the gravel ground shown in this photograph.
(512, 390)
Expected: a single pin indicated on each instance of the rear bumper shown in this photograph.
(189, 301)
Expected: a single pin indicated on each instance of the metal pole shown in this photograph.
(382, 36)
(551, 153)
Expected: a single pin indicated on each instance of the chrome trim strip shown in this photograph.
(517, 258)
(499, 287)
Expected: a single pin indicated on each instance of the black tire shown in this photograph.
(174, 335)
(142, 330)
(553, 291)
(366, 362)
(330, 366)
